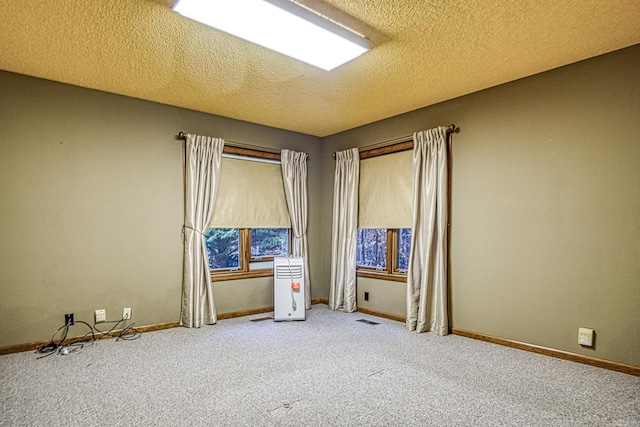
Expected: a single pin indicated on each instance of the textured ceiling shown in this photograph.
(424, 52)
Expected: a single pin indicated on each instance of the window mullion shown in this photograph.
(395, 246)
(291, 241)
(246, 248)
(390, 250)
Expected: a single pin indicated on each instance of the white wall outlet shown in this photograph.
(101, 315)
(126, 313)
(585, 337)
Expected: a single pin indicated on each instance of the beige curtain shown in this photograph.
(428, 264)
(202, 175)
(294, 177)
(342, 294)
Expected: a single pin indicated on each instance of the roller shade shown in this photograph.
(250, 195)
(385, 191)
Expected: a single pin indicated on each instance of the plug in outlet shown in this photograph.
(101, 315)
(585, 337)
(68, 319)
(126, 313)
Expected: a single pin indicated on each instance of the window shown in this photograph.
(269, 242)
(383, 253)
(223, 248)
(384, 212)
(403, 248)
(245, 252)
(372, 248)
(250, 222)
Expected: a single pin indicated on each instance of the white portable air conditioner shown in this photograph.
(288, 289)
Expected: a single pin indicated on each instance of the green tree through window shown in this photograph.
(372, 248)
(223, 248)
(383, 250)
(231, 251)
(269, 242)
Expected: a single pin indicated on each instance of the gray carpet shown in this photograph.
(328, 370)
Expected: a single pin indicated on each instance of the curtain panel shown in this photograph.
(202, 175)
(428, 263)
(342, 293)
(294, 177)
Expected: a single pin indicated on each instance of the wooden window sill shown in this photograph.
(235, 275)
(381, 275)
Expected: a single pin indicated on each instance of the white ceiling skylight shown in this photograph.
(280, 25)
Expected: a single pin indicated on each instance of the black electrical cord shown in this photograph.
(51, 347)
(79, 343)
(128, 333)
(106, 334)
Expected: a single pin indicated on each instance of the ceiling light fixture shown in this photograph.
(280, 25)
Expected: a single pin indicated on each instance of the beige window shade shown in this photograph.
(385, 191)
(250, 195)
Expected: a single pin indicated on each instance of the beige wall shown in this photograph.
(545, 222)
(384, 296)
(545, 206)
(91, 199)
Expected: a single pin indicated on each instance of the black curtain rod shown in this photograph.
(451, 128)
(183, 136)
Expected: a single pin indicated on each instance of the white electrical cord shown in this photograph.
(294, 306)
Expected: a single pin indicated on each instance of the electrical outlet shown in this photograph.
(126, 313)
(366, 296)
(585, 337)
(101, 315)
(68, 319)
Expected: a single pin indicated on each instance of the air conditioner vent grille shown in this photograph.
(289, 272)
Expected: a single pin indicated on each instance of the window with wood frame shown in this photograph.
(384, 212)
(250, 223)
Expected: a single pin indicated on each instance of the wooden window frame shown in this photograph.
(269, 257)
(395, 249)
(388, 260)
(243, 271)
(391, 272)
